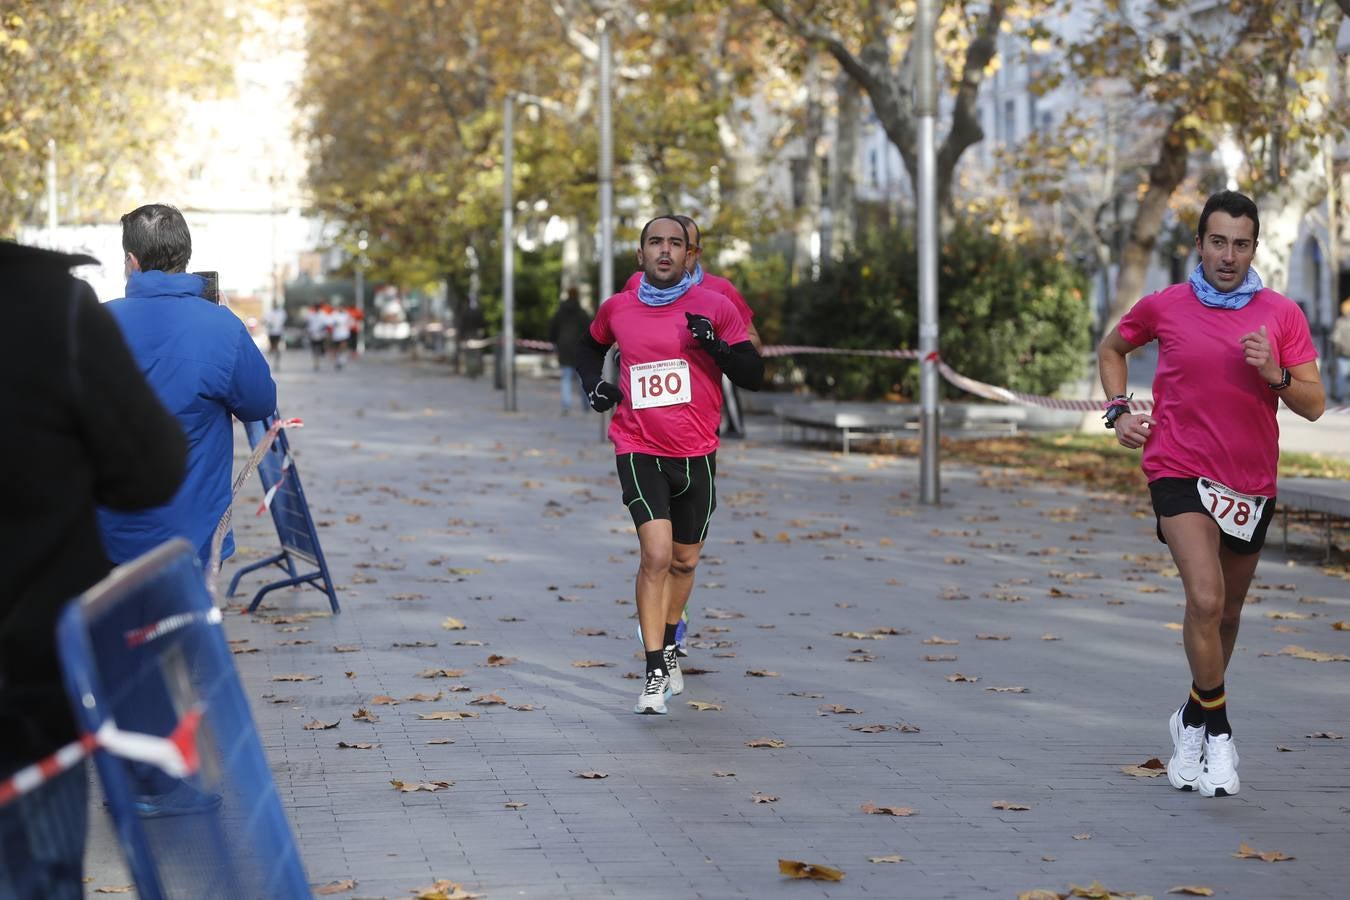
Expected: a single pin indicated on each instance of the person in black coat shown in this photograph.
(81, 428)
(566, 328)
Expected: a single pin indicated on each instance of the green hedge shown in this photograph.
(1012, 314)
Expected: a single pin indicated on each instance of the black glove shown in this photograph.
(604, 396)
(701, 327)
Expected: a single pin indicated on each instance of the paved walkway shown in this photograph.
(857, 606)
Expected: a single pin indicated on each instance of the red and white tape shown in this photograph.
(175, 755)
(223, 526)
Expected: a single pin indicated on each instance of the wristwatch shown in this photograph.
(1114, 413)
(1283, 383)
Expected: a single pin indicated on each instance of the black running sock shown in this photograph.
(1193, 713)
(1215, 702)
(670, 635)
(656, 662)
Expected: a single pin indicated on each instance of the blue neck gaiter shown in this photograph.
(1211, 296)
(698, 273)
(655, 296)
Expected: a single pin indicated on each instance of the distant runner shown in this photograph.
(676, 342)
(1228, 351)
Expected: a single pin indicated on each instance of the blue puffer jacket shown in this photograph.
(201, 361)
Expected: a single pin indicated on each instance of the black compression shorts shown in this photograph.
(1174, 496)
(681, 489)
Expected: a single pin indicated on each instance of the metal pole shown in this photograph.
(51, 192)
(606, 189)
(925, 104)
(508, 347)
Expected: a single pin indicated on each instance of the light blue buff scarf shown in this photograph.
(655, 296)
(1211, 296)
(698, 273)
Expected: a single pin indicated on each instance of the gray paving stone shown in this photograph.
(434, 503)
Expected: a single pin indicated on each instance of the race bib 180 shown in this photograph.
(1236, 513)
(661, 383)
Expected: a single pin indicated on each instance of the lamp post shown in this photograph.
(606, 175)
(508, 348)
(925, 103)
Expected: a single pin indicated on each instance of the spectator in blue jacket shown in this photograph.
(202, 363)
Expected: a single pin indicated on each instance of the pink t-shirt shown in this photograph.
(715, 283)
(1215, 415)
(670, 365)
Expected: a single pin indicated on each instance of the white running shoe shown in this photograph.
(1188, 746)
(672, 659)
(1219, 778)
(652, 700)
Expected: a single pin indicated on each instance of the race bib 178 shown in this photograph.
(1236, 513)
(661, 383)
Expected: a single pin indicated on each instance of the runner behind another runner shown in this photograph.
(676, 342)
(1228, 351)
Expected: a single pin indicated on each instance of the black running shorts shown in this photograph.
(681, 489)
(1174, 496)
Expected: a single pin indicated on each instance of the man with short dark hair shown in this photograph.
(85, 428)
(205, 368)
(676, 341)
(1229, 349)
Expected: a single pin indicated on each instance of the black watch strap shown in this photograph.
(1283, 383)
(1114, 413)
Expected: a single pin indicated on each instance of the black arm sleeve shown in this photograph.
(590, 361)
(743, 365)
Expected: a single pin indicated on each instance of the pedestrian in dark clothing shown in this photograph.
(82, 428)
(566, 328)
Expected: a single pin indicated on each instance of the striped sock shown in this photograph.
(1215, 704)
(1193, 713)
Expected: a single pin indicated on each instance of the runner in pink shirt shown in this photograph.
(1228, 351)
(676, 341)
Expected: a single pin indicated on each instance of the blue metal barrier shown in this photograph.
(294, 524)
(143, 652)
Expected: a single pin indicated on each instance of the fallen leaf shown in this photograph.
(1150, 768)
(488, 700)
(1050, 637)
(1192, 890)
(1277, 614)
(592, 774)
(709, 613)
(860, 636)
(590, 632)
(469, 643)
(968, 679)
(771, 743)
(761, 673)
(763, 798)
(244, 650)
(295, 677)
(461, 571)
(1017, 689)
(837, 709)
(1341, 626)
(873, 810)
(1040, 894)
(346, 648)
(1313, 655)
(294, 642)
(383, 700)
(1083, 836)
(1328, 735)
(1011, 807)
(496, 660)
(695, 670)
(121, 889)
(993, 637)
(453, 624)
(408, 787)
(317, 725)
(724, 774)
(522, 707)
(1247, 852)
(704, 706)
(343, 745)
(515, 804)
(939, 640)
(590, 663)
(425, 698)
(444, 889)
(441, 741)
(1173, 626)
(893, 858)
(440, 673)
(810, 695)
(414, 643)
(347, 884)
(796, 869)
(447, 715)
